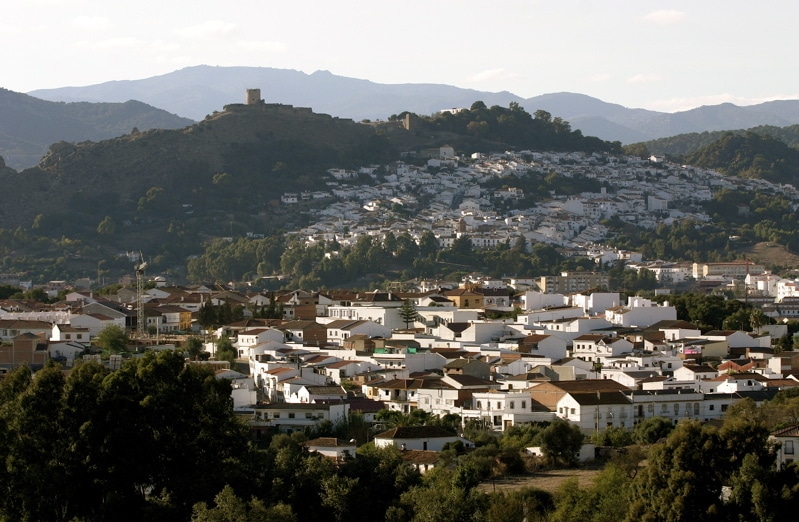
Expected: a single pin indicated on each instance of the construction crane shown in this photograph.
(140, 267)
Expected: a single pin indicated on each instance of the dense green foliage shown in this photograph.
(157, 440)
(372, 261)
(152, 438)
(750, 156)
(686, 470)
(685, 144)
(516, 127)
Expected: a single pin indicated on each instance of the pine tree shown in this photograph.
(408, 313)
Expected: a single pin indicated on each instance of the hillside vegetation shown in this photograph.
(682, 145)
(168, 191)
(752, 155)
(29, 125)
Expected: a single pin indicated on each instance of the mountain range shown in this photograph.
(195, 92)
(30, 123)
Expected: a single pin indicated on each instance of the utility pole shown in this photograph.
(140, 267)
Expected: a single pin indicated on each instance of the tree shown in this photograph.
(428, 244)
(194, 347)
(230, 508)
(207, 315)
(651, 430)
(408, 313)
(561, 442)
(681, 480)
(112, 339)
(147, 441)
(542, 116)
(107, 226)
(444, 495)
(225, 351)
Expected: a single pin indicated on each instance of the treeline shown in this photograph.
(683, 145)
(696, 472)
(752, 155)
(514, 126)
(766, 153)
(740, 219)
(371, 261)
(158, 440)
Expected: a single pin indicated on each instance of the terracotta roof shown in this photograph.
(326, 390)
(329, 442)
(17, 324)
(402, 384)
(414, 432)
(299, 324)
(469, 380)
(594, 399)
(459, 363)
(589, 385)
(418, 457)
(343, 324)
(790, 431)
(340, 364)
(363, 405)
(781, 383)
(458, 327)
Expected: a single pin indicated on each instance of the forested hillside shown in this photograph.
(28, 125)
(750, 155)
(685, 144)
(171, 191)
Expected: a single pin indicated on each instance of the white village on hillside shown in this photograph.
(572, 352)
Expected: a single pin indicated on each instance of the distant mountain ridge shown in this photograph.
(197, 91)
(29, 125)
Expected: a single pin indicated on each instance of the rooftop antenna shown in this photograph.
(140, 267)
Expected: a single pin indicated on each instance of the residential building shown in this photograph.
(426, 438)
(573, 282)
(786, 441)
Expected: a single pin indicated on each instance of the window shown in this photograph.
(276, 415)
(650, 408)
(524, 405)
(676, 408)
(291, 415)
(711, 407)
(696, 408)
(479, 405)
(512, 405)
(499, 405)
(308, 415)
(788, 447)
(572, 411)
(724, 407)
(664, 408)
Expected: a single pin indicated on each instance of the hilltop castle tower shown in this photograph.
(253, 97)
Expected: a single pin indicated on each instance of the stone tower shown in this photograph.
(253, 97)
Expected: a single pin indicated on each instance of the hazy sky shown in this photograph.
(657, 55)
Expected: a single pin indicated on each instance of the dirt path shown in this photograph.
(546, 480)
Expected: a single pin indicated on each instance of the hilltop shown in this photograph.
(28, 125)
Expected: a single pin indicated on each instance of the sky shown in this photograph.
(659, 55)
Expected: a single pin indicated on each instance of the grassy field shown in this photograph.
(772, 255)
(548, 480)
